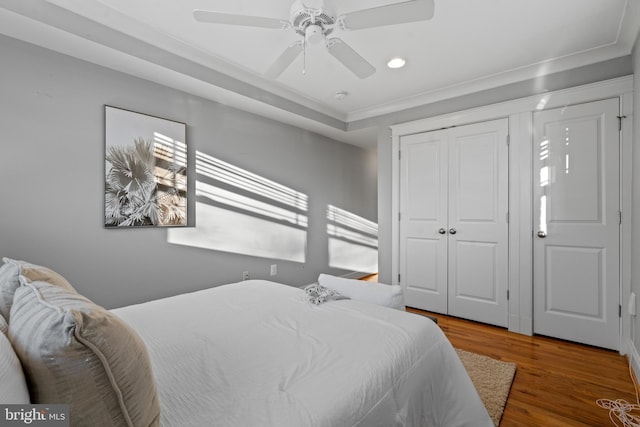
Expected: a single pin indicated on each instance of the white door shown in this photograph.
(453, 224)
(576, 238)
(423, 220)
(478, 209)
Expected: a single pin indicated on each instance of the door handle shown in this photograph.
(442, 231)
(452, 230)
(542, 234)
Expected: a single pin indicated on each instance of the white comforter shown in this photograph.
(256, 353)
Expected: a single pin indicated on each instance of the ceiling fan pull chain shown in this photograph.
(304, 57)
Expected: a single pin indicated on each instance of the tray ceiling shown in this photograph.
(467, 46)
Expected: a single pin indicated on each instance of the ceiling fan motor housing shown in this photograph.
(313, 23)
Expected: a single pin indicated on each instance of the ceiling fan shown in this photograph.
(316, 20)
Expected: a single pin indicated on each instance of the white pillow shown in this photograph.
(360, 290)
(13, 387)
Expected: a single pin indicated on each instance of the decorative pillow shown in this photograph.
(13, 387)
(78, 353)
(10, 280)
(4, 326)
(317, 294)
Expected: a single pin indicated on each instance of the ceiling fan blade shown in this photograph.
(284, 60)
(397, 13)
(243, 20)
(350, 58)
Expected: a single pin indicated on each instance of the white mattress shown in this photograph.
(256, 353)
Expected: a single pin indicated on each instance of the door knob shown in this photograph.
(442, 231)
(542, 234)
(452, 231)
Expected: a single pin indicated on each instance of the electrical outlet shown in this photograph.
(274, 269)
(245, 275)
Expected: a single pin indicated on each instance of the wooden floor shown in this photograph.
(556, 383)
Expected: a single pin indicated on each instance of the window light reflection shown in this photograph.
(353, 241)
(241, 212)
(168, 149)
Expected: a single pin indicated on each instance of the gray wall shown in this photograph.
(635, 221)
(52, 166)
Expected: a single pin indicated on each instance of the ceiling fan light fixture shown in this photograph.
(314, 34)
(396, 62)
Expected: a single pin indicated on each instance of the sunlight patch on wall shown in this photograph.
(228, 231)
(240, 212)
(353, 241)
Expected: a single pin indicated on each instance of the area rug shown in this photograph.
(492, 378)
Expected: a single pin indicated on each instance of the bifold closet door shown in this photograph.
(453, 221)
(423, 220)
(478, 211)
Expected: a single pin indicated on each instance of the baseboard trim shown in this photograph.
(633, 357)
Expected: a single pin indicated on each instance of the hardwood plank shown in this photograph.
(557, 382)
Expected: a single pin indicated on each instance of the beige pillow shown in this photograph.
(76, 352)
(13, 388)
(4, 326)
(10, 273)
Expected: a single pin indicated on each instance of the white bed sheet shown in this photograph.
(256, 353)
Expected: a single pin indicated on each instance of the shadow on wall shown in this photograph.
(240, 212)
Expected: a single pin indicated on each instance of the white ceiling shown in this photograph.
(468, 45)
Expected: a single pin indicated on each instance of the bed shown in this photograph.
(257, 353)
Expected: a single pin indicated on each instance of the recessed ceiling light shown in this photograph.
(340, 95)
(396, 62)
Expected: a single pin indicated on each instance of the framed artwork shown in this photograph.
(145, 170)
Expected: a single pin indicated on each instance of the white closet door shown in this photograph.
(423, 222)
(478, 224)
(576, 239)
(453, 226)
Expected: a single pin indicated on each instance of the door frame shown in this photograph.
(520, 115)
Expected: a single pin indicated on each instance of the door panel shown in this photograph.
(477, 283)
(423, 203)
(475, 165)
(423, 163)
(575, 271)
(576, 248)
(478, 206)
(575, 171)
(422, 278)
